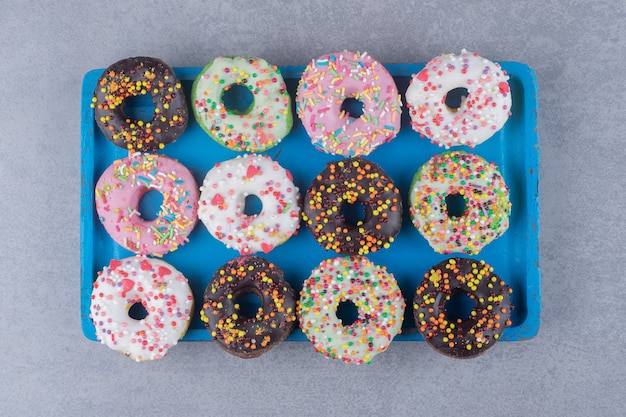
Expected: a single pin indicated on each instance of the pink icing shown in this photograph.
(327, 82)
(120, 189)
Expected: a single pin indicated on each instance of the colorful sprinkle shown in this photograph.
(352, 181)
(330, 80)
(162, 291)
(120, 188)
(483, 112)
(223, 200)
(134, 77)
(469, 336)
(242, 336)
(255, 129)
(372, 290)
(483, 191)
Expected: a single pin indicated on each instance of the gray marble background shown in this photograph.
(575, 366)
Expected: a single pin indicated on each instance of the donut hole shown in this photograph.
(237, 99)
(150, 205)
(137, 311)
(353, 107)
(455, 205)
(347, 312)
(353, 213)
(455, 98)
(252, 205)
(459, 307)
(249, 303)
(139, 107)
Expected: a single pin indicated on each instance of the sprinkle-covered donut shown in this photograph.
(484, 107)
(372, 290)
(165, 304)
(478, 193)
(249, 337)
(223, 201)
(260, 126)
(331, 81)
(469, 337)
(134, 77)
(353, 181)
(120, 189)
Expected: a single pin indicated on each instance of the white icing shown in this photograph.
(371, 289)
(165, 295)
(223, 197)
(486, 195)
(484, 111)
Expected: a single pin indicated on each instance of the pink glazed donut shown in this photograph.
(327, 82)
(120, 189)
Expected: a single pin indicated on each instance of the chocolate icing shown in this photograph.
(462, 338)
(249, 337)
(346, 182)
(132, 77)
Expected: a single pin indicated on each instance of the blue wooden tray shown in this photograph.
(514, 256)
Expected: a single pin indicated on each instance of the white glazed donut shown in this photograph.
(479, 184)
(483, 112)
(223, 198)
(259, 127)
(331, 79)
(162, 291)
(372, 290)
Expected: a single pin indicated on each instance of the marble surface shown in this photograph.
(574, 366)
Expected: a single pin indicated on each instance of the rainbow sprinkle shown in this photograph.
(120, 188)
(371, 289)
(255, 129)
(486, 196)
(324, 86)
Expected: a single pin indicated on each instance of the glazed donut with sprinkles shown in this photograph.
(346, 182)
(484, 107)
(223, 202)
(463, 337)
(249, 337)
(480, 188)
(132, 77)
(331, 80)
(166, 302)
(120, 189)
(371, 289)
(260, 126)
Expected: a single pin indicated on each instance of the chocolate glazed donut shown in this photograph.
(350, 181)
(132, 77)
(472, 336)
(249, 337)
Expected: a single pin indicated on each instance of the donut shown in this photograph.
(260, 126)
(249, 337)
(330, 82)
(372, 290)
(472, 181)
(120, 189)
(353, 181)
(223, 200)
(132, 77)
(472, 336)
(485, 108)
(165, 307)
